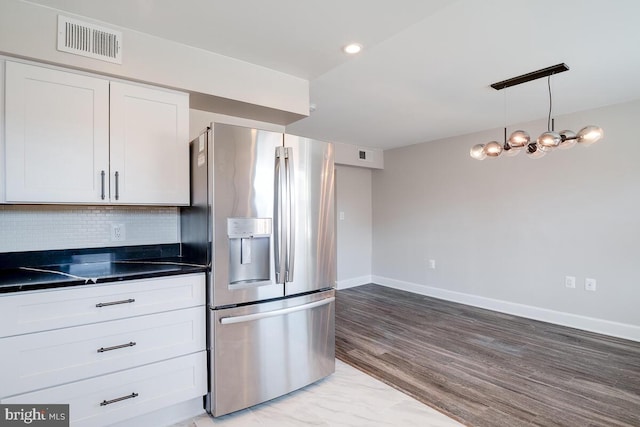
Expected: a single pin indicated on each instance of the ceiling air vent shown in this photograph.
(93, 41)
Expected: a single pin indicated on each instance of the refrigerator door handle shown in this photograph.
(257, 316)
(291, 228)
(277, 214)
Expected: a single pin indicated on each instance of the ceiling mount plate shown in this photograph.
(554, 69)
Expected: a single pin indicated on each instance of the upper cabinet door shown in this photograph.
(149, 146)
(57, 136)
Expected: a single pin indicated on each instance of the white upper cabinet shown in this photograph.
(72, 138)
(57, 136)
(149, 145)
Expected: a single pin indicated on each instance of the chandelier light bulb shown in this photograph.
(519, 139)
(493, 149)
(568, 139)
(510, 151)
(477, 152)
(589, 134)
(549, 140)
(533, 152)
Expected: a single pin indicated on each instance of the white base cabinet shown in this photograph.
(27, 312)
(108, 399)
(110, 351)
(48, 358)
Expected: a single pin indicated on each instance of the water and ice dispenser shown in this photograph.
(249, 251)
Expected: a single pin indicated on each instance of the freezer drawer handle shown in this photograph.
(115, 347)
(258, 316)
(118, 399)
(124, 301)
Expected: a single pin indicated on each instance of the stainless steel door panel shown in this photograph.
(265, 350)
(312, 258)
(243, 169)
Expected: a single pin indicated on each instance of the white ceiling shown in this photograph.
(426, 66)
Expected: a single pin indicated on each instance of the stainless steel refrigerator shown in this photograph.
(262, 216)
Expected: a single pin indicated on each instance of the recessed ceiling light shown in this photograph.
(352, 48)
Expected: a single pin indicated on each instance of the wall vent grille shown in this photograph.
(93, 41)
(365, 155)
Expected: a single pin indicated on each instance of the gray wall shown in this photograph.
(509, 230)
(354, 245)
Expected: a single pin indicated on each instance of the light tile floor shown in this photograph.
(347, 398)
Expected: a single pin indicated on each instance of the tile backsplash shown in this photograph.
(42, 227)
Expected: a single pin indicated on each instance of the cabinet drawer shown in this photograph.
(36, 311)
(35, 361)
(115, 397)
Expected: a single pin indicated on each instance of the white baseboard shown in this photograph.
(356, 281)
(607, 327)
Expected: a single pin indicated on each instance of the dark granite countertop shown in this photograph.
(52, 269)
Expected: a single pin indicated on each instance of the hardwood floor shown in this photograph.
(485, 368)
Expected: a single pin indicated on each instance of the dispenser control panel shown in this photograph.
(238, 228)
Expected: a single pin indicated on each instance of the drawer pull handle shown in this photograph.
(115, 347)
(124, 301)
(119, 399)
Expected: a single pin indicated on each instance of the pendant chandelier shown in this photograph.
(547, 141)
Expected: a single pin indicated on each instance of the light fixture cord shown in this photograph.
(505, 115)
(550, 104)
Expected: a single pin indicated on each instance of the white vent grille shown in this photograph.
(89, 40)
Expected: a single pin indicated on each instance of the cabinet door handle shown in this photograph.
(118, 399)
(115, 347)
(117, 174)
(102, 185)
(124, 301)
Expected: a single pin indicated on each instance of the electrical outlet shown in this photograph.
(570, 281)
(590, 284)
(118, 232)
(432, 264)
